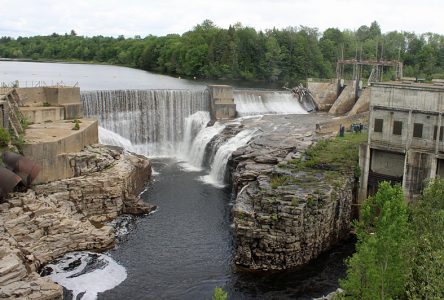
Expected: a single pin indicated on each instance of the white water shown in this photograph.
(193, 125)
(96, 273)
(249, 103)
(195, 158)
(153, 120)
(219, 165)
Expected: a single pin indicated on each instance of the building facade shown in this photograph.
(405, 141)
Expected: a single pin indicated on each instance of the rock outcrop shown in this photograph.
(284, 217)
(52, 219)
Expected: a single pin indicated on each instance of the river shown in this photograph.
(183, 250)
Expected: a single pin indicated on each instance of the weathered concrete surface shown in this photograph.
(324, 93)
(222, 102)
(42, 114)
(52, 219)
(286, 226)
(363, 103)
(345, 101)
(48, 144)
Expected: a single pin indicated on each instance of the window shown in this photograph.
(378, 125)
(441, 133)
(417, 130)
(397, 128)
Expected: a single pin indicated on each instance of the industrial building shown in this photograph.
(405, 141)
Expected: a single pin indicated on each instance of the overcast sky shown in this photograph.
(160, 17)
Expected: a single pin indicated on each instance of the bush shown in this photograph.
(76, 125)
(5, 138)
(219, 294)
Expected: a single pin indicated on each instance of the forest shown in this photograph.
(287, 56)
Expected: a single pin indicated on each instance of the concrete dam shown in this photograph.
(173, 123)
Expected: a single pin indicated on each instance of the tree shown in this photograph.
(427, 250)
(379, 268)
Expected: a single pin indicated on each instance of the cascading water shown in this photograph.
(193, 125)
(152, 120)
(219, 165)
(253, 102)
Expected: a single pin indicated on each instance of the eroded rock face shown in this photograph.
(67, 215)
(286, 224)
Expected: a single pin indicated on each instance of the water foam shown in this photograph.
(86, 274)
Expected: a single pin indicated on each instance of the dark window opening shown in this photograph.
(397, 128)
(378, 125)
(417, 130)
(441, 133)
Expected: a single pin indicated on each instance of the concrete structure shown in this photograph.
(324, 92)
(67, 98)
(405, 142)
(222, 102)
(50, 137)
(49, 145)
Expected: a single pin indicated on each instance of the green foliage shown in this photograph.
(5, 138)
(427, 249)
(76, 125)
(337, 154)
(379, 268)
(278, 180)
(219, 294)
(46, 104)
(286, 56)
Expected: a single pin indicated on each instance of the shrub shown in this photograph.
(5, 138)
(219, 294)
(76, 125)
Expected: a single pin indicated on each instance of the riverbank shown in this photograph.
(294, 194)
(67, 215)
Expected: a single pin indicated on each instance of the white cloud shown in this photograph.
(138, 17)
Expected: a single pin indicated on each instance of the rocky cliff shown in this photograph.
(286, 212)
(67, 215)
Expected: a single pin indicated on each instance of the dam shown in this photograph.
(186, 248)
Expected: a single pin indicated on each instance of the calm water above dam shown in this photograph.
(183, 250)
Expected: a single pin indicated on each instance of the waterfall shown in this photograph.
(219, 165)
(108, 137)
(196, 154)
(252, 102)
(152, 120)
(193, 125)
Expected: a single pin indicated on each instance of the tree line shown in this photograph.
(287, 55)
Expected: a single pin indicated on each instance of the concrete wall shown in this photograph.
(324, 93)
(345, 101)
(363, 103)
(388, 139)
(387, 163)
(222, 102)
(32, 96)
(49, 151)
(410, 97)
(417, 170)
(62, 95)
(66, 97)
(43, 114)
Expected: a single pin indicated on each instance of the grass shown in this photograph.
(278, 180)
(336, 154)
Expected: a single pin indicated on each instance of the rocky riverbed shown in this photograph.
(285, 215)
(67, 215)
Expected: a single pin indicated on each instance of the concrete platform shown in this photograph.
(47, 144)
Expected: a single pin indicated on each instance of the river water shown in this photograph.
(183, 250)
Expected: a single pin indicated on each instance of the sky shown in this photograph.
(161, 17)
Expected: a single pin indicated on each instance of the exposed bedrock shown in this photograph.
(285, 217)
(67, 215)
